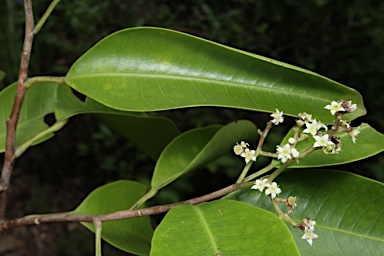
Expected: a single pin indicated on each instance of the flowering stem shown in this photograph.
(262, 171)
(268, 154)
(280, 170)
(263, 135)
(282, 215)
(335, 127)
(244, 172)
(307, 151)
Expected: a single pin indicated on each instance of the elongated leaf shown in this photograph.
(150, 133)
(131, 235)
(222, 227)
(147, 69)
(39, 101)
(348, 210)
(195, 148)
(368, 143)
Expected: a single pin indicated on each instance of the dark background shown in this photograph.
(341, 39)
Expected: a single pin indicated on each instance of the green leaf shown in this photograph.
(150, 133)
(368, 143)
(347, 208)
(195, 148)
(148, 69)
(222, 227)
(130, 235)
(39, 102)
(2, 75)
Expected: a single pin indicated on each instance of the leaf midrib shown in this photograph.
(200, 216)
(189, 78)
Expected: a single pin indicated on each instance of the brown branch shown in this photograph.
(9, 157)
(126, 214)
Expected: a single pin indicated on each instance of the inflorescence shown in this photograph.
(324, 139)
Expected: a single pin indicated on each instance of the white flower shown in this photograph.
(260, 184)
(345, 124)
(335, 107)
(277, 117)
(309, 223)
(284, 153)
(322, 141)
(239, 148)
(309, 234)
(249, 155)
(294, 153)
(291, 141)
(354, 133)
(273, 190)
(312, 127)
(305, 117)
(321, 125)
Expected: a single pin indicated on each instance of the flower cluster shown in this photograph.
(243, 151)
(329, 144)
(341, 106)
(308, 226)
(270, 189)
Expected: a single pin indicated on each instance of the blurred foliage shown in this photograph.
(340, 39)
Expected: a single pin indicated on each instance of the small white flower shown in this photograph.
(239, 148)
(321, 125)
(284, 153)
(309, 235)
(277, 117)
(305, 117)
(335, 107)
(273, 190)
(249, 155)
(322, 141)
(260, 184)
(345, 124)
(309, 223)
(294, 153)
(291, 141)
(353, 134)
(312, 127)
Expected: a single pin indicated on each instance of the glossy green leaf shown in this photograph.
(195, 148)
(39, 102)
(222, 227)
(368, 143)
(131, 235)
(150, 133)
(348, 210)
(148, 69)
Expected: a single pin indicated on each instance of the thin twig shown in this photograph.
(9, 157)
(44, 18)
(125, 214)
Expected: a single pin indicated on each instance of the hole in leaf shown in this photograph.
(79, 95)
(50, 119)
